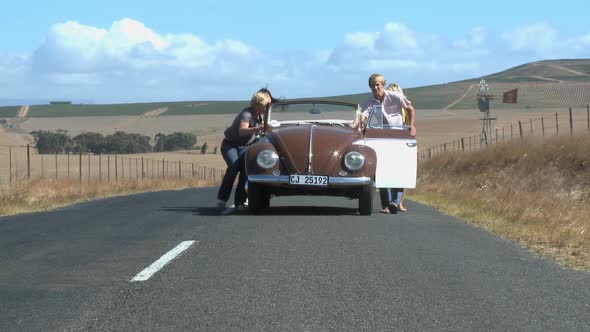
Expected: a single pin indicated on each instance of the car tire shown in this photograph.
(366, 200)
(258, 199)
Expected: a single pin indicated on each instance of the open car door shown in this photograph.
(397, 152)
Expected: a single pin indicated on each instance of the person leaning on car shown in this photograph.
(246, 124)
(392, 103)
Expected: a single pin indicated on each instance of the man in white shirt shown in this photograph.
(392, 103)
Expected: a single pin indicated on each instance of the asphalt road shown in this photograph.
(309, 264)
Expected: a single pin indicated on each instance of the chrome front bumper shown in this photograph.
(332, 180)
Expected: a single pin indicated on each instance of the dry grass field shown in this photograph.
(533, 192)
(434, 127)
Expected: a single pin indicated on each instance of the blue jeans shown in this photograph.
(234, 158)
(389, 195)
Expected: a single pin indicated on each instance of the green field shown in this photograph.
(8, 111)
(542, 85)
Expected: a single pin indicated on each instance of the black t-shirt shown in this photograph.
(232, 133)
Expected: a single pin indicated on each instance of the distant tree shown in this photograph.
(52, 142)
(121, 142)
(160, 142)
(90, 142)
(180, 141)
(175, 141)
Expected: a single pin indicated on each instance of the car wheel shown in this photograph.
(258, 199)
(366, 200)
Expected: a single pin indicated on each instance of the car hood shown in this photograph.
(328, 144)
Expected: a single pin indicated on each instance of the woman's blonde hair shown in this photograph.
(394, 87)
(376, 78)
(260, 98)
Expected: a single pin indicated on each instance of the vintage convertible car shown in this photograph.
(308, 148)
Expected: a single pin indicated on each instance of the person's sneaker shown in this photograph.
(228, 210)
(246, 202)
(392, 207)
(221, 203)
(241, 208)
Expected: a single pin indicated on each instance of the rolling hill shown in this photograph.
(544, 84)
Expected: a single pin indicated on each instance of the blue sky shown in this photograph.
(131, 51)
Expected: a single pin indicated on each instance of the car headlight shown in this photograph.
(267, 159)
(354, 160)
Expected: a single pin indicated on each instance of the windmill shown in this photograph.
(483, 103)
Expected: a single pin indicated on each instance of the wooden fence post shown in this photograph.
(80, 165)
(29, 161)
(42, 166)
(531, 120)
(142, 170)
(100, 167)
(56, 165)
(10, 164)
(109, 169)
(462, 144)
(543, 126)
(179, 169)
(116, 170)
(520, 128)
(556, 125)
(571, 122)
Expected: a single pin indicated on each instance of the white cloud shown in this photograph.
(131, 62)
(539, 38)
(362, 39)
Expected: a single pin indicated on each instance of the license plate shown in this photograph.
(309, 180)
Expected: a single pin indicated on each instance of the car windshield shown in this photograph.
(312, 112)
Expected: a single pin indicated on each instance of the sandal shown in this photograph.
(402, 209)
(385, 210)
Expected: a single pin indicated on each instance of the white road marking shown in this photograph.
(149, 271)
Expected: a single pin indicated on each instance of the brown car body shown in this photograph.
(310, 148)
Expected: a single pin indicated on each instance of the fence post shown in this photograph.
(543, 126)
(511, 131)
(520, 128)
(142, 170)
(68, 165)
(163, 168)
(29, 161)
(179, 169)
(109, 169)
(80, 166)
(116, 170)
(88, 168)
(462, 144)
(531, 121)
(56, 165)
(571, 122)
(588, 117)
(100, 167)
(42, 167)
(556, 125)
(10, 164)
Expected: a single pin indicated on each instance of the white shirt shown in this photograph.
(392, 104)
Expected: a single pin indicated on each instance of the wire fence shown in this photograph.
(558, 124)
(22, 162)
